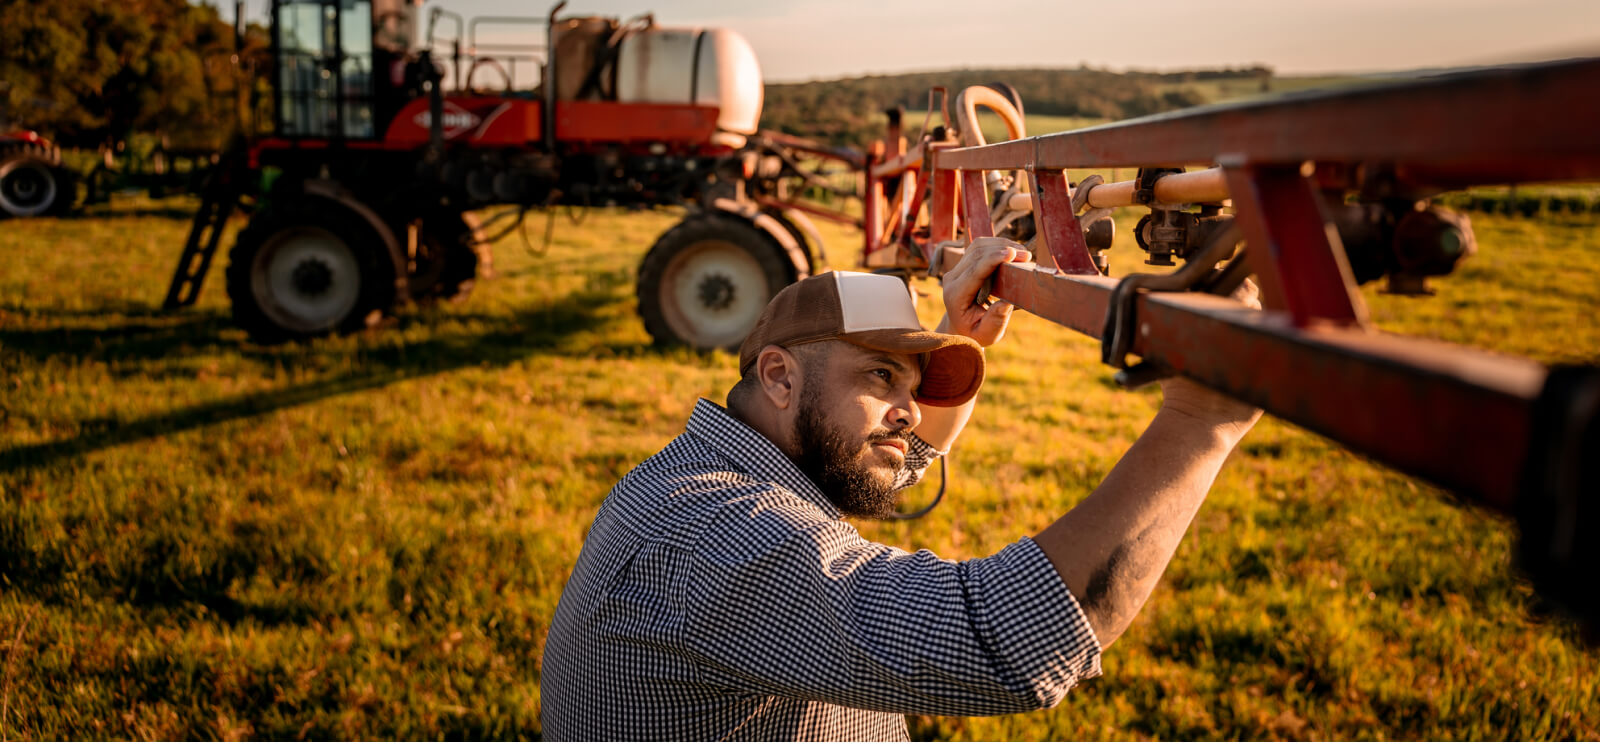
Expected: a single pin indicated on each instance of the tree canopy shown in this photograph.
(88, 72)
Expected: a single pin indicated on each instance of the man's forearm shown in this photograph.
(941, 425)
(1111, 549)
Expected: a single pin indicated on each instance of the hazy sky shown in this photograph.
(810, 39)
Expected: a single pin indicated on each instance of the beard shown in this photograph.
(833, 465)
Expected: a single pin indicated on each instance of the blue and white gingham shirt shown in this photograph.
(719, 596)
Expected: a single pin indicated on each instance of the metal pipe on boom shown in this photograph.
(1196, 187)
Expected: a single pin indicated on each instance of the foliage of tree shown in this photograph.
(850, 111)
(88, 72)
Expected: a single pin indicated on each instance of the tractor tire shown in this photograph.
(705, 282)
(812, 253)
(307, 267)
(31, 182)
(446, 264)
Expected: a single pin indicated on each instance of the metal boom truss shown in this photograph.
(1507, 433)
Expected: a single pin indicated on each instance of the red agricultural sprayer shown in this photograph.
(359, 199)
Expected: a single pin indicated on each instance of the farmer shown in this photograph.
(720, 594)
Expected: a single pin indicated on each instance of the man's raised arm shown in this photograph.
(1112, 548)
(969, 315)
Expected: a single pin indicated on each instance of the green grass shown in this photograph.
(366, 536)
(1236, 89)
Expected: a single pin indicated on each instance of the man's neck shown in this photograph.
(765, 423)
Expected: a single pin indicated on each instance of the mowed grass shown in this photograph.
(366, 536)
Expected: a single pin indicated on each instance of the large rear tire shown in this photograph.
(32, 183)
(705, 282)
(307, 267)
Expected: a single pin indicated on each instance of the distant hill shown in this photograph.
(850, 111)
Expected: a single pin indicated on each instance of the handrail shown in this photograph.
(1542, 116)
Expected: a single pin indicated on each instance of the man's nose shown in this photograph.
(905, 415)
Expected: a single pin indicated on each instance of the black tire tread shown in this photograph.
(65, 180)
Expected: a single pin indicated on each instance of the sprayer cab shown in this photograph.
(348, 69)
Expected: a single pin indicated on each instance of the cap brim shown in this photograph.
(955, 363)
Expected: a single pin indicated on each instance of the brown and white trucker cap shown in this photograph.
(872, 311)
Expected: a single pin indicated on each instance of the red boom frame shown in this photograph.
(1455, 416)
(1506, 433)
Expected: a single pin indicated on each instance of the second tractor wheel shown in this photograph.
(705, 282)
(31, 185)
(306, 268)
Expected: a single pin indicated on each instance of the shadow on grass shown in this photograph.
(141, 334)
(508, 339)
(103, 212)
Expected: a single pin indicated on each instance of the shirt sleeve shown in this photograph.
(794, 604)
(919, 455)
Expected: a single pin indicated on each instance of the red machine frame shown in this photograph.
(1312, 358)
(1503, 432)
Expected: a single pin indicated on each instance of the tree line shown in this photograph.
(850, 111)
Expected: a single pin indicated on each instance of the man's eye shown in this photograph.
(882, 373)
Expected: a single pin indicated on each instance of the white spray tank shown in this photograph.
(702, 66)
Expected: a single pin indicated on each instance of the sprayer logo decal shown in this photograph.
(456, 120)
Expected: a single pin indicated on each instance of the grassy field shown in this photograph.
(994, 130)
(365, 537)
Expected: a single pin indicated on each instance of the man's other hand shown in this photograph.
(967, 313)
(1231, 417)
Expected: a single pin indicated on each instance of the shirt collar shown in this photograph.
(753, 453)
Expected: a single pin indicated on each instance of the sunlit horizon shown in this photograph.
(807, 40)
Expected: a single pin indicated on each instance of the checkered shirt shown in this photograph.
(719, 596)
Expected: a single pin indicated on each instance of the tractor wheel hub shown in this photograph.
(306, 279)
(24, 186)
(716, 292)
(312, 278)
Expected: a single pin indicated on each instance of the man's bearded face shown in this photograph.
(848, 469)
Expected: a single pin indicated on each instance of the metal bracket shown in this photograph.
(1144, 184)
(1116, 340)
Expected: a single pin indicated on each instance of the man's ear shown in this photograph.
(778, 372)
